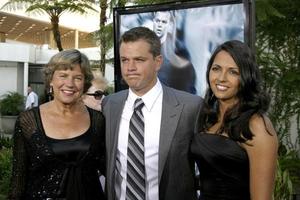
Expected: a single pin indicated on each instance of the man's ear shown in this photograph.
(158, 60)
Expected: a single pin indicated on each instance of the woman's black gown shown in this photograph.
(223, 166)
(47, 168)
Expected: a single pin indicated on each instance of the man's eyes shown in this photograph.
(140, 60)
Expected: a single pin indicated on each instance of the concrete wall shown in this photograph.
(15, 58)
(8, 76)
(20, 79)
(16, 52)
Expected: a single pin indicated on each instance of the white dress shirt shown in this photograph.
(32, 100)
(152, 117)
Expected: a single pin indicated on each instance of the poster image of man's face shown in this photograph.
(160, 23)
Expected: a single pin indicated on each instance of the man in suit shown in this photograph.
(169, 118)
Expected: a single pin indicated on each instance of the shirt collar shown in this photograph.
(149, 98)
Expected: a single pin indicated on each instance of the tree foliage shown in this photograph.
(278, 54)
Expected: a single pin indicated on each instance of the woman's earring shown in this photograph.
(51, 89)
(50, 93)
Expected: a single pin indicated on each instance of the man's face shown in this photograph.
(29, 90)
(160, 23)
(138, 66)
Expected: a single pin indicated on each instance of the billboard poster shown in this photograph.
(189, 33)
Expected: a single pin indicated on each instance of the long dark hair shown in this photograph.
(252, 99)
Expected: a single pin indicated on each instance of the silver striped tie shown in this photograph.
(136, 186)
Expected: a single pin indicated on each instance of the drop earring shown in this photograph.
(51, 89)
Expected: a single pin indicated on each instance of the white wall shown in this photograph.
(14, 55)
(8, 77)
(33, 54)
(15, 52)
(42, 56)
(110, 74)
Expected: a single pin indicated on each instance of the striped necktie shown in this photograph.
(136, 185)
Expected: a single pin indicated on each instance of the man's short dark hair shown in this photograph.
(143, 33)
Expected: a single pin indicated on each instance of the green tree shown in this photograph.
(278, 55)
(105, 33)
(102, 35)
(54, 9)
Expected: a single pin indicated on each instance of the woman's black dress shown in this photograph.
(223, 166)
(47, 168)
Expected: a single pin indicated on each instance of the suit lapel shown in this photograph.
(171, 111)
(116, 109)
(116, 112)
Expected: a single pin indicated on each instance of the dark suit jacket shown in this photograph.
(179, 117)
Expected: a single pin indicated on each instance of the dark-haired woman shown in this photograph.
(236, 147)
(59, 146)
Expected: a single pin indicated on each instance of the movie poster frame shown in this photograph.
(249, 24)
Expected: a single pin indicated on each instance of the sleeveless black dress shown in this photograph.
(47, 168)
(223, 166)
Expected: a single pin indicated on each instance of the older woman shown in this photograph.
(236, 148)
(59, 146)
(95, 93)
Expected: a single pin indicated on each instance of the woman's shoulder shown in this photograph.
(27, 122)
(96, 115)
(29, 114)
(263, 131)
(261, 123)
(93, 111)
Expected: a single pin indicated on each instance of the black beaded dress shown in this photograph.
(223, 166)
(53, 169)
